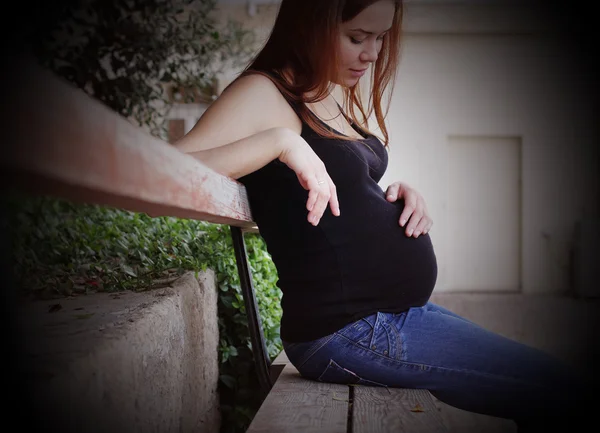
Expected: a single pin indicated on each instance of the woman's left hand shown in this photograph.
(414, 208)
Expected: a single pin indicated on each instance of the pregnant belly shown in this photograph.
(391, 256)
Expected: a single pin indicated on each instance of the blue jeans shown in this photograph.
(459, 362)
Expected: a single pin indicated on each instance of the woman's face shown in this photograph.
(361, 39)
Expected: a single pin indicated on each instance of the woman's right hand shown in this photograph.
(312, 175)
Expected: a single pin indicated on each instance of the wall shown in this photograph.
(124, 362)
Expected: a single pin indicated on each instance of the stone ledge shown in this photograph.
(126, 362)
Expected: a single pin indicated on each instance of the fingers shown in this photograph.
(410, 205)
(420, 222)
(414, 212)
(320, 200)
(421, 227)
(312, 175)
(333, 201)
(424, 226)
(392, 192)
(321, 193)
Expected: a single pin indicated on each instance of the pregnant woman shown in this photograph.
(356, 264)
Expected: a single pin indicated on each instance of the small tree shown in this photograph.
(123, 52)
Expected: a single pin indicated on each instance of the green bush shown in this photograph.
(62, 249)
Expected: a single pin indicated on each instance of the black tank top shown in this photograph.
(348, 266)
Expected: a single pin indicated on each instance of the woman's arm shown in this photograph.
(250, 125)
(246, 155)
(242, 130)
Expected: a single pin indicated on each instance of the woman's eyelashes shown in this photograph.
(358, 42)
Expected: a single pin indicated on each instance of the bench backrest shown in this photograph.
(64, 143)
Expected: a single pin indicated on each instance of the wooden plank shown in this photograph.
(281, 358)
(470, 422)
(274, 371)
(64, 143)
(298, 405)
(278, 365)
(384, 410)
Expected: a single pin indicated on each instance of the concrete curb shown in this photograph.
(126, 362)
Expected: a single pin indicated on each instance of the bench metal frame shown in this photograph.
(257, 338)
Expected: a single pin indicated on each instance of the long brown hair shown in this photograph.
(304, 39)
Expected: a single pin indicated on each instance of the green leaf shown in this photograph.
(128, 270)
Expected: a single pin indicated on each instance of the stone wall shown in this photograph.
(125, 362)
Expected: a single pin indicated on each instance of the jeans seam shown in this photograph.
(368, 349)
(451, 370)
(359, 321)
(385, 325)
(398, 343)
(354, 326)
(376, 326)
(480, 373)
(359, 378)
(310, 353)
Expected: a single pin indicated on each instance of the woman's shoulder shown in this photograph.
(258, 92)
(253, 80)
(256, 83)
(248, 105)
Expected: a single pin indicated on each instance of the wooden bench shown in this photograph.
(63, 143)
(296, 404)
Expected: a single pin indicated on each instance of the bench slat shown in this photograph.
(64, 143)
(473, 422)
(277, 366)
(384, 410)
(299, 405)
(281, 358)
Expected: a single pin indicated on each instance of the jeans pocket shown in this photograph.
(375, 333)
(361, 331)
(335, 373)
